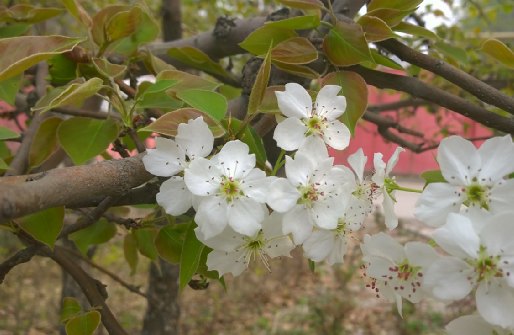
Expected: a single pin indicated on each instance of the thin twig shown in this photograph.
(22, 256)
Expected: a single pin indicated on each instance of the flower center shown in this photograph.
(486, 266)
(230, 188)
(476, 194)
(310, 194)
(253, 247)
(315, 125)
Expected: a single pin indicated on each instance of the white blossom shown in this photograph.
(193, 140)
(475, 176)
(310, 196)
(475, 325)
(232, 189)
(485, 259)
(381, 179)
(332, 244)
(232, 252)
(308, 122)
(400, 268)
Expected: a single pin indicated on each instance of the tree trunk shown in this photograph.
(171, 19)
(162, 316)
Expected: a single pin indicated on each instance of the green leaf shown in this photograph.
(394, 4)
(452, 51)
(298, 70)
(415, 30)
(391, 17)
(84, 324)
(84, 138)
(202, 265)
(108, 69)
(209, 102)
(9, 88)
(433, 176)
(169, 243)
(296, 50)
(101, 20)
(70, 308)
(73, 94)
(61, 69)
(44, 226)
(499, 51)
(45, 141)
(382, 60)
(259, 41)
(3, 165)
(299, 22)
(375, 30)
(145, 242)
(345, 45)
(28, 14)
(78, 12)
(186, 81)
(250, 137)
(19, 53)
(196, 58)
(98, 233)
(14, 30)
(123, 24)
(312, 265)
(155, 65)
(168, 123)
(159, 100)
(355, 90)
(130, 252)
(261, 82)
(158, 86)
(303, 4)
(230, 92)
(190, 258)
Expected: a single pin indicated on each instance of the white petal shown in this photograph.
(295, 101)
(278, 247)
(297, 221)
(337, 135)
(379, 267)
(498, 235)
(225, 262)
(323, 172)
(502, 197)
(202, 177)
(358, 161)
(385, 246)
(436, 202)
(196, 202)
(497, 155)
(282, 196)
(391, 221)
(338, 252)
(329, 104)
(314, 148)
(448, 278)
(245, 216)
(212, 216)
(458, 237)
(228, 240)
(256, 185)
(272, 226)
(380, 166)
(326, 213)
(166, 160)
(234, 159)
(469, 325)
(479, 217)
(318, 245)
(174, 196)
(459, 160)
(393, 160)
(195, 138)
(421, 254)
(299, 171)
(290, 133)
(495, 302)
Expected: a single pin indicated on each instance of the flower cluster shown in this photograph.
(244, 213)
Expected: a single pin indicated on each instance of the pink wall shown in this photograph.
(409, 163)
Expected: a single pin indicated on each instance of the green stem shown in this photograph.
(326, 24)
(278, 164)
(406, 189)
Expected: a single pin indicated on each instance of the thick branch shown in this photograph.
(384, 122)
(59, 187)
(73, 111)
(392, 106)
(22, 256)
(478, 88)
(419, 89)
